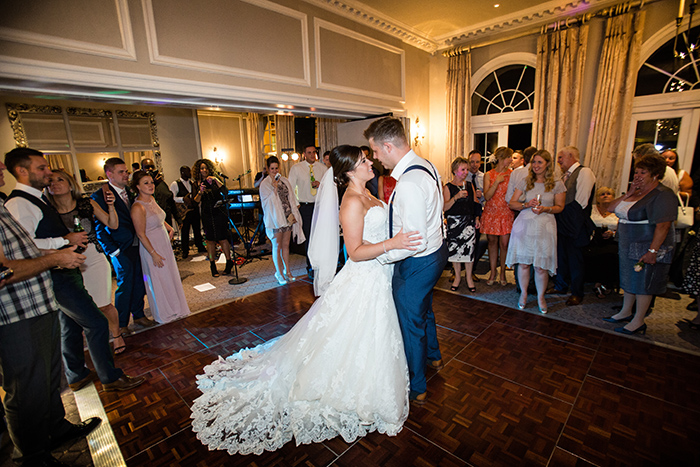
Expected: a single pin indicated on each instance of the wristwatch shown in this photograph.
(651, 250)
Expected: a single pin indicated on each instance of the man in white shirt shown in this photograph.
(574, 225)
(415, 205)
(520, 173)
(305, 177)
(188, 212)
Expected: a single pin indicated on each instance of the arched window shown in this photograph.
(509, 89)
(665, 73)
(502, 104)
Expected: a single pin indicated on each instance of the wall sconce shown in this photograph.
(218, 156)
(420, 133)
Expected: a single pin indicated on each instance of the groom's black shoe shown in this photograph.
(420, 399)
(436, 365)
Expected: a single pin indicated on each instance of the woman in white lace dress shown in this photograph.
(341, 370)
(533, 239)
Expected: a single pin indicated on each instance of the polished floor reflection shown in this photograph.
(517, 389)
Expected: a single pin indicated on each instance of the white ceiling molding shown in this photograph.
(364, 14)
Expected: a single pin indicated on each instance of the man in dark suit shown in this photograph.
(122, 247)
(574, 225)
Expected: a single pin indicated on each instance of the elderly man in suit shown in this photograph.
(122, 247)
(574, 225)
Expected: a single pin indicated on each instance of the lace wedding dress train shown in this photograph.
(341, 370)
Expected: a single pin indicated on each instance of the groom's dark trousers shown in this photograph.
(413, 282)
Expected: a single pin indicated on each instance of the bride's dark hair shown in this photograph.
(343, 160)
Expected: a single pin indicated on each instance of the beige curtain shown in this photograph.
(459, 71)
(327, 133)
(254, 133)
(284, 131)
(561, 58)
(612, 108)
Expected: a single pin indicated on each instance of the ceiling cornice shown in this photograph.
(532, 17)
(364, 14)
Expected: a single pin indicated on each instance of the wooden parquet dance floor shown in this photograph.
(517, 389)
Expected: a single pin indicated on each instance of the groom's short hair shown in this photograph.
(387, 130)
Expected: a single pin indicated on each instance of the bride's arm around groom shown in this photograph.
(416, 205)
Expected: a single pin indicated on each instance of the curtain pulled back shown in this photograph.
(284, 131)
(612, 108)
(561, 59)
(327, 133)
(255, 131)
(458, 108)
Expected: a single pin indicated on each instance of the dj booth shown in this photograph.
(245, 211)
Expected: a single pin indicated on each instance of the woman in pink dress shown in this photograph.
(497, 218)
(163, 284)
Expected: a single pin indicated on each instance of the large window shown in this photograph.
(668, 72)
(502, 105)
(508, 89)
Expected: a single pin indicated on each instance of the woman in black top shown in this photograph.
(462, 213)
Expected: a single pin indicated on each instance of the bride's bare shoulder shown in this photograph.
(352, 206)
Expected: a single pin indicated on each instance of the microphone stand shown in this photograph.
(236, 280)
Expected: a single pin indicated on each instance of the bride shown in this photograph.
(341, 370)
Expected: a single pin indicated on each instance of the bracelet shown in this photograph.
(384, 245)
(523, 206)
(651, 250)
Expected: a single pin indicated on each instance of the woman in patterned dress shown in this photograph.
(281, 218)
(497, 219)
(462, 213)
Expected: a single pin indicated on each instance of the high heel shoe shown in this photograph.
(280, 278)
(454, 288)
(600, 291)
(610, 319)
(640, 330)
(490, 282)
(543, 309)
(504, 282)
(471, 289)
(521, 306)
(212, 266)
(229, 266)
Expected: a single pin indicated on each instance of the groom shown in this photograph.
(416, 204)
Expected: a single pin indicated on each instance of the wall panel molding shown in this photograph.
(127, 51)
(159, 58)
(323, 83)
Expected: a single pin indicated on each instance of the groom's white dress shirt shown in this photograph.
(417, 201)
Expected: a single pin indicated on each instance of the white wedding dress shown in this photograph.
(341, 370)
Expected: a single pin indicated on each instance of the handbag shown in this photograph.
(685, 214)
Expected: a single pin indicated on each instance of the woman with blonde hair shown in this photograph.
(73, 206)
(497, 218)
(534, 234)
